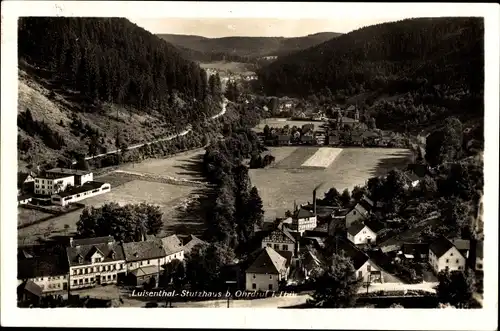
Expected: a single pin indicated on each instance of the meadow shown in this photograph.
(288, 180)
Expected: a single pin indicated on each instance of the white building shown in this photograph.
(360, 234)
(144, 254)
(267, 271)
(75, 194)
(51, 184)
(81, 176)
(174, 250)
(47, 271)
(303, 220)
(94, 261)
(443, 255)
(359, 212)
(280, 239)
(365, 268)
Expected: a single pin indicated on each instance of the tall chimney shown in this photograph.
(314, 202)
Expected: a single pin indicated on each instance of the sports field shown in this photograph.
(298, 170)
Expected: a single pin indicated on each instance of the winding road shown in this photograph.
(183, 133)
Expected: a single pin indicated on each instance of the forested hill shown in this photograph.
(403, 54)
(248, 46)
(113, 60)
(96, 84)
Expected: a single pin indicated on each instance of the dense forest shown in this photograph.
(114, 60)
(247, 48)
(436, 64)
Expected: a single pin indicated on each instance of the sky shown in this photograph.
(253, 27)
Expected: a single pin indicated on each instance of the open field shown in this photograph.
(281, 122)
(25, 216)
(185, 166)
(175, 201)
(323, 157)
(288, 180)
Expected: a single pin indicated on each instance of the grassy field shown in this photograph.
(25, 216)
(288, 180)
(175, 201)
(281, 122)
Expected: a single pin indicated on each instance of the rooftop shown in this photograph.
(440, 246)
(461, 244)
(145, 271)
(172, 244)
(357, 257)
(81, 254)
(31, 287)
(303, 213)
(38, 261)
(143, 250)
(66, 171)
(88, 186)
(268, 262)
(355, 228)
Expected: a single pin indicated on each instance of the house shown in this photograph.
(280, 239)
(47, 269)
(359, 212)
(303, 220)
(29, 292)
(479, 256)
(443, 255)
(462, 245)
(173, 248)
(418, 251)
(48, 184)
(366, 270)
(412, 180)
(360, 234)
(267, 271)
(80, 176)
(78, 193)
(357, 138)
(147, 274)
(25, 182)
(191, 242)
(23, 199)
(144, 254)
(95, 261)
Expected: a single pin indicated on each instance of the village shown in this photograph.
(290, 250)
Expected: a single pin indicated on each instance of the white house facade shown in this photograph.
(94, 261)
(75, 194)
(267, 271)
(47, 186)
(360, 234)
(359, 213)
(444, 256)
(280, 240)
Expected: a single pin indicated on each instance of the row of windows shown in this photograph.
(254, 286)
(277, 247)
(270, 276)
(89, 270)
(82, 281)
(39, 279)
(53, 286)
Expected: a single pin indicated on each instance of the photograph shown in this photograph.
(250, 162)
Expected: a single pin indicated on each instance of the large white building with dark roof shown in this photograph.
(267, 270)
(94, 261)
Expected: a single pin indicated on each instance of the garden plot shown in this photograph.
(323, 157)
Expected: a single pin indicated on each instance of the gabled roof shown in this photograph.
(440, 246)
(192, 241)
(375, 226)
(268, 262)
(172, 244)
(347, 248)
(145, 271)
(91, 241)
(287, 255)
(106, 248)
(21, 178)
(87, 186)
(42, 266)
(143, 250)
(303, 213)
(355, 228)
(461, 244)
(68, 172)
(31, 287)
(415, 248)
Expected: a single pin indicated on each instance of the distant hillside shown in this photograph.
(248, 46)
(439, 61)
(100, 81)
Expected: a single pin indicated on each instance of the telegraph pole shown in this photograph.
(229, 282)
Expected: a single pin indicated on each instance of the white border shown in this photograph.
(484, 319)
